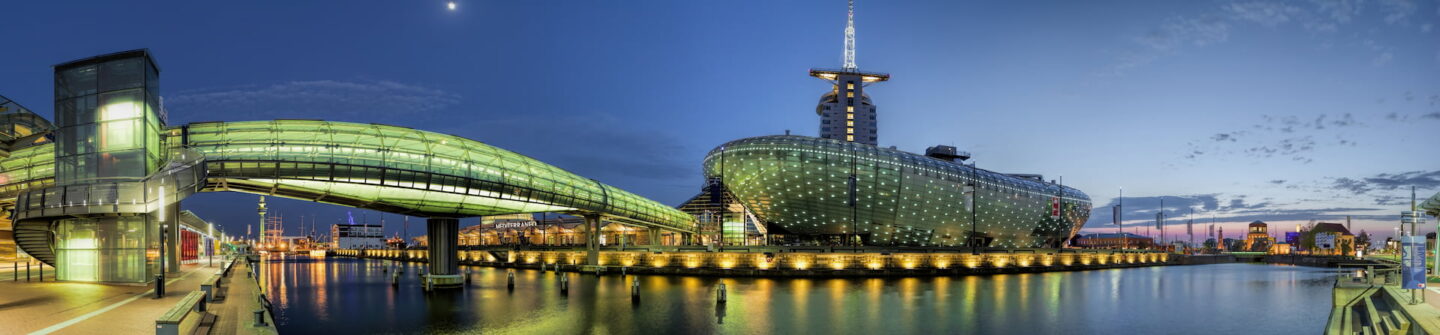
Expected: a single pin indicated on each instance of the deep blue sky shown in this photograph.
(1283, 111)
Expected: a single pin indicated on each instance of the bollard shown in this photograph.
(564, 284)
(15, 271)
(42, 272)
(510, 280)
(27, 271)
(720, 294)
(634, 289)
(597, 271)
(260, 318)
(467, 276)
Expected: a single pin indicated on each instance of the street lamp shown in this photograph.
(160, 278)
(970, 190)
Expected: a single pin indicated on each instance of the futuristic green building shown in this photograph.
(842, 189)
(808, 190)
(114, 171)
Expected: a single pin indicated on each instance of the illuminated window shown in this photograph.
(850, 85)
(849, 109)
(850, 123)
(850, 131)
(850, 94)
(849, 116)
(850, 138)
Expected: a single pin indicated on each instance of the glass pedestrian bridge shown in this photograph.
(386, 168)
(98, 192)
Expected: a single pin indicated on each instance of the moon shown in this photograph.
(450, 5)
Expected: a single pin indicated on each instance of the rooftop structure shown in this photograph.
(846, 113)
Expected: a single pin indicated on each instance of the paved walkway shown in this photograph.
(236, 311)
(88, 308)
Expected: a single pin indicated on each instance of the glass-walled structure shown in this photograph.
(111, 249)
(108, 119)
(817, 191)
(107, 109)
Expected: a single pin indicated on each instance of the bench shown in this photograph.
(212, 287)
(185, 317)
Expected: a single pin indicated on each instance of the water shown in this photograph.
(339, 295)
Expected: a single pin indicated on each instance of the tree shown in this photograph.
(1307, 236)
(1362, 240)
(1261, 246)
(1345, 248)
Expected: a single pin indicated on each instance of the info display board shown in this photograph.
(1413, 267)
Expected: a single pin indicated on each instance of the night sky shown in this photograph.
(1282, 111)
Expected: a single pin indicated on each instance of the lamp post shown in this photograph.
(160, 278)
(974, 206)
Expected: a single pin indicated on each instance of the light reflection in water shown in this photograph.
(346, 295)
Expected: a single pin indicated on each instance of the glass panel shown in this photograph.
(122, 74)
(75, 82)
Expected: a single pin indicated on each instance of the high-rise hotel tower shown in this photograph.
(846, 113)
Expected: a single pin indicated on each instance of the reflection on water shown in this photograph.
(346, 295)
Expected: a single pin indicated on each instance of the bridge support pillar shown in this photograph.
(444, 235)
(592, 239)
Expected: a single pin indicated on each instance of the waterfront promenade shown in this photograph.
(89, 308)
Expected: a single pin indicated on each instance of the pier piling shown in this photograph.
(510, 280)
(634, 289)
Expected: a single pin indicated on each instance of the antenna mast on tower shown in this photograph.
(850, 40)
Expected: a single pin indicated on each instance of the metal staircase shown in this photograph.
(34, 237)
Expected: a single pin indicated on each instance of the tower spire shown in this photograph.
(850, 40)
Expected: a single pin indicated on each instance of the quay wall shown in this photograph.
(792, 264)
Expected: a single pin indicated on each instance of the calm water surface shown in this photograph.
(353, 296)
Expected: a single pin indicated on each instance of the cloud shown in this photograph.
(356, 100)
(1424, 180)
(1277, 181)
(1391, 200)
(1140, 211)
(1398, 11)
(1144, 208)
(1265, 13)
(1262, 142)
(1322, 18)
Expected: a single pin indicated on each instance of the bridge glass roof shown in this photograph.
(403, 170)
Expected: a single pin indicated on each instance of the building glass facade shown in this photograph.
(109, 120)
(801, 189)
(109, 249)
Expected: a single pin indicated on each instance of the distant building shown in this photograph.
(357, 236)
(1114, 241)
(1258, 238)
(1332, 239)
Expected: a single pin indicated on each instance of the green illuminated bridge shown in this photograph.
(97, 194)
(387, 168)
